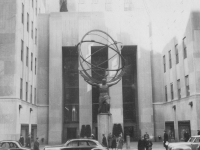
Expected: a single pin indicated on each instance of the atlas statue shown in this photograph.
(104, 77)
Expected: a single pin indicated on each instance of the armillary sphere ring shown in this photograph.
(121, 63)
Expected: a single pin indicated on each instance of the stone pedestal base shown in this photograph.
(104, 125)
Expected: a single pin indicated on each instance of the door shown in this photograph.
(183, 127)
(71, 133)
(129, 130)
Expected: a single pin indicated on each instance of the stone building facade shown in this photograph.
(42, 93)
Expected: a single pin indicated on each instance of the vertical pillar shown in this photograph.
(55, 80)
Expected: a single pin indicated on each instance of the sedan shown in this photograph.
(78, 144)
(11, 145)
(192, 144)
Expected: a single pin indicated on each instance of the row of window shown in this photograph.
(27, 57)
(177, 55)
(32, 28)
(31, 92)
(108, 4)
(178, 89)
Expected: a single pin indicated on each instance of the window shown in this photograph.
(36, 8)
(27, 51)
(164, 63)
(81, 1)
(179, 88)
(22, 13)
(127, 5)
(22, 50)
(184, 48)
(172, 93)
(94, 1)
(187, 85)
(170, 60)
(108, 5)
(35, 65)
(27, 22)
(31, 94)
(166, 93)
(21, 88)
(32, 29)
(35, 96)
(31, 61)
(26, 91)
(35, 36)
(176, 50)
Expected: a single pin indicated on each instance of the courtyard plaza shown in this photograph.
(133, 146)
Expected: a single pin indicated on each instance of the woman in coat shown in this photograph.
(120, 142)
(114, 142)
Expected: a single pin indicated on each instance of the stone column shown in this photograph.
(104, 121)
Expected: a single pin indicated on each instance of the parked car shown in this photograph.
(191, 144)
(11, 145)
(78, 144)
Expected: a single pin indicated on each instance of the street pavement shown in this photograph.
(133, 146)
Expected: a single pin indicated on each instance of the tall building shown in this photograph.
(43, 94)
(18, 71)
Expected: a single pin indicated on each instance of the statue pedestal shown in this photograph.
(104, 125)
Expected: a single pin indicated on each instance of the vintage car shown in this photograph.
(11, 145)
(78, 144)
(191, 144)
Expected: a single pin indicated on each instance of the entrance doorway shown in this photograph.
(71, 133)
(25, 132)
(183, 126)
(169, 127)
(33, 132)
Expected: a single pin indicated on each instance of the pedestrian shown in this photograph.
(149, 144)
(104, 141)
(92, 136)
(114, 143)
(198, 132)
(36, 145)
(146, 136)
(109, 140)
(165, 142)
(28, 141)
(141, 143)
(120, 142)
(21, 140)
(186, 136)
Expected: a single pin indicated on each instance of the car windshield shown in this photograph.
(191, 139)
(19, 143)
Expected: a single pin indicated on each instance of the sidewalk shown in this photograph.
(133, 146)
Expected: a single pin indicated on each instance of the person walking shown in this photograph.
(114, 143)
(109, 140)
(165, 142)
(36, 145)
(146, 136)
(141, 143)
(149, 144)
(104, 141)
(198, 132)
(21, 140)
(120, 142)
(28, 141)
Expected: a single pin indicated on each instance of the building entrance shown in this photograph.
(183, 127)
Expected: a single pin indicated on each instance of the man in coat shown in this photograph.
(165, 140)
(109, 140)
(104, 141)
(21, 140)
(141, 143)
(36, 145)
(28, 141)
